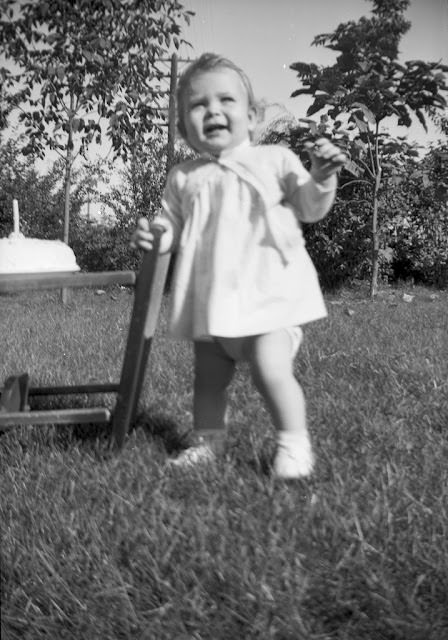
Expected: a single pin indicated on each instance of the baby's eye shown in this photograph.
(196, 105)
(227, 99)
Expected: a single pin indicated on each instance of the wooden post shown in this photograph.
(172, 113)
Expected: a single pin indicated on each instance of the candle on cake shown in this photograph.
(16, 219)
(15, 210)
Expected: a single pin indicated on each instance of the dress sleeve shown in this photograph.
(171, 214)
(312, 200)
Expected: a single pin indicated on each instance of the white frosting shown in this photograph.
(29, 255)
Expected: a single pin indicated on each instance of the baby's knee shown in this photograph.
(266, 374)
(271, 359)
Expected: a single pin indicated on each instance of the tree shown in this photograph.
(367, 85)
(83, 64)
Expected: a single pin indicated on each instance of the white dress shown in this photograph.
(241, 266)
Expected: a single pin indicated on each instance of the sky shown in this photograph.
(264, 37)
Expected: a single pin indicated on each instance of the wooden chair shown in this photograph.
(149, 285)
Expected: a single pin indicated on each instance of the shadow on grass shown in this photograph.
(165, 429)
(95, 437)
(245, 448)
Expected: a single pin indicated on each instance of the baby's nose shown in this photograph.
(214, 107)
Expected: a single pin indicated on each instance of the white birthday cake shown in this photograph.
(30, 255)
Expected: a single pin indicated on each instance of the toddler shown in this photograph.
(243, 282)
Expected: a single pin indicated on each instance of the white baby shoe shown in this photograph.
(294, 458)
(193, 457)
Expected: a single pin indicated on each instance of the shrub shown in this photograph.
(339, 245)
(106, 248)
(40, 197)
(102, 248)
(413, 220)
(421, 247)
(418, 233)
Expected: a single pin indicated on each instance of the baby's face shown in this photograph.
(217, 115)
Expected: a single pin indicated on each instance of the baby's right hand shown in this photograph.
(143, 237)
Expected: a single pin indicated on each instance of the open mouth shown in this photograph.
(215, 128)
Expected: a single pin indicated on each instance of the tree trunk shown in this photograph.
(375, 237)
(67, 185)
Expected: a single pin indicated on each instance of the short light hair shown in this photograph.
(207, 62)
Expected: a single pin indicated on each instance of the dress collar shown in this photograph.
(228, 153)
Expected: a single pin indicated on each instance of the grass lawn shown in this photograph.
(103, 546)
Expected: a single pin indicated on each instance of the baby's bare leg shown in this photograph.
(213, 373)
(272, 372)
(271, 363)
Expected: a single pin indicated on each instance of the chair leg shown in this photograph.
(148, 298)
(14, 395)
